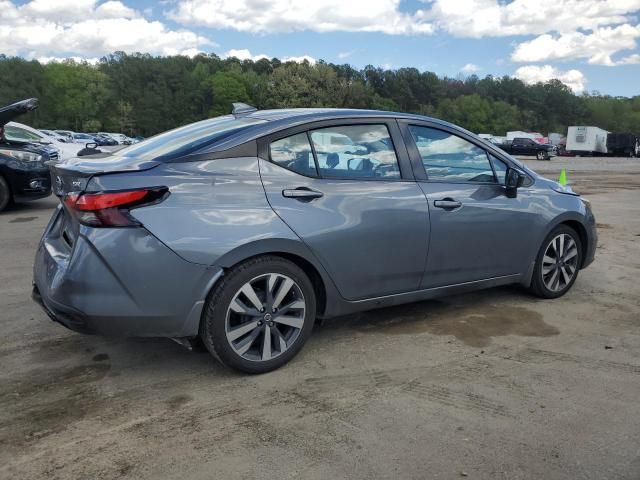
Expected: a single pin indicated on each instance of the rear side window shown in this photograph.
(449, 158)
(355, 151)
(188, 139)
(294, 153)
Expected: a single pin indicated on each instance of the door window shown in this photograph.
(449, 158)
(294, 153)
(500, 168)
(355, 151)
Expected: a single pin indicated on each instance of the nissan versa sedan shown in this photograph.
(244, 229)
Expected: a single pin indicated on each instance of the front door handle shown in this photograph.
(447, 204)
(301, 193)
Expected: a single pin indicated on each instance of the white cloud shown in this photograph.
(73, 10)
(87, 28)
(598, 46)
(92, 61)
(530, 74)
(470, 68)
(300, 59)
(345, 55)
(245, 54)
(261, 16)
(492, 18)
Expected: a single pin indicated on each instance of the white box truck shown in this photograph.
(586, 140)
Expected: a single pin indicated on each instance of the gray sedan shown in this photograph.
(242, 230)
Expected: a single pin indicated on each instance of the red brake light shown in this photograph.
(111, 209)
(90, 202)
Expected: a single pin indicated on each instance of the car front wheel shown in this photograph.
(260, 315)
(542, 156)
(557, 263)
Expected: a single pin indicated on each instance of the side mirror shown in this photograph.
(513, 180)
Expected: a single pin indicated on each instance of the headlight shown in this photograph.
(22, 155)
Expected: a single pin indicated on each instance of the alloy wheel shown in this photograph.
(265, 317)
(560, 262)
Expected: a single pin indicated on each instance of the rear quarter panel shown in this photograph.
(215, 207)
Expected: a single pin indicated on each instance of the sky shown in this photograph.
(591, 45)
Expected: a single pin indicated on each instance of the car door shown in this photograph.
(346, 189)
(531, 147)
(477, 232)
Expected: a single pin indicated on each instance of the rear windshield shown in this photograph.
(185, 140)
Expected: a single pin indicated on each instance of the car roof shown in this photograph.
(280, 119)
(313, 114)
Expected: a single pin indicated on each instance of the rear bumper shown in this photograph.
(118, 282)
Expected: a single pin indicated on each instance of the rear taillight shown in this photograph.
(111, 209)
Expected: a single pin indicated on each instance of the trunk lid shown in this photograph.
(73, 175)
(14, 110)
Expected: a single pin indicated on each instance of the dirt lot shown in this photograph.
(495, 384)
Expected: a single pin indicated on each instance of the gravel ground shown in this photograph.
(490, 385)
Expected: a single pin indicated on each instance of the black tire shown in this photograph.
(214, 320)
(5, 194)
(538, 286)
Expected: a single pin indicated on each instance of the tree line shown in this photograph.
(140, 94)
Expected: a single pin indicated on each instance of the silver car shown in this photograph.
(242, 230)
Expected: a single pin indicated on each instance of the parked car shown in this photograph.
(527, 146)
(586, 141)
(121, 138)
(103, 140)
(54, 135)
(67, 134)
(623, 144)
(23, 173)
(83, 138)
(57, 149)
(237, 230)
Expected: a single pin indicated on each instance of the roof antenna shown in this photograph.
(240, 109)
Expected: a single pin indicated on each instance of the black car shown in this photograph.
(24, 174)
(527, 146)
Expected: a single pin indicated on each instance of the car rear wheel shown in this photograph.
(542, 156)
(5, 194)
(260, 315)
(557, 263)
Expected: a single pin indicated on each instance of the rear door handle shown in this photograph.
(302, 193)
(447, 204)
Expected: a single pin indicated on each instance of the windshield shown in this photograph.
(187, 139)
(17, 134)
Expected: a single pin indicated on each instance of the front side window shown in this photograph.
(449, 158)
(355, 151)
(500, 168)
(294, 153)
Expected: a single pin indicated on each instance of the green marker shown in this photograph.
(562, 180)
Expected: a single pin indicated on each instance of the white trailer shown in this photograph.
(586, 140)
(521, 134)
